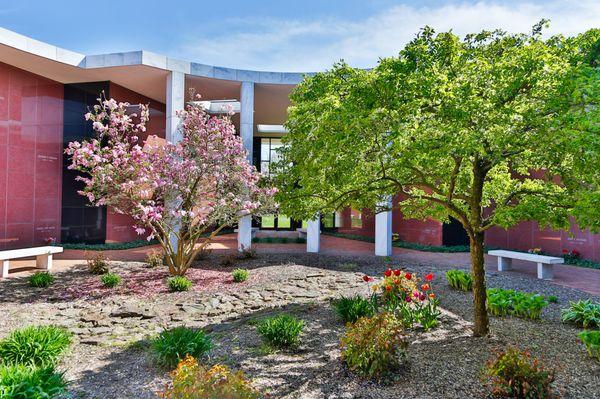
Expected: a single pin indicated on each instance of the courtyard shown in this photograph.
(420, 218)
(111, 354)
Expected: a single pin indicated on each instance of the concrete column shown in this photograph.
(247, 116)
(247, 134)
(313, 235)
(175, 102)
(383, 231)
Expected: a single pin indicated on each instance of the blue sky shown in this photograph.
(306, 35)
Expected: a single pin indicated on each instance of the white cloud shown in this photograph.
(295, 45)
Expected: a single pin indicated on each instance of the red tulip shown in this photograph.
(408, 299)
(388, 288)
(425, 287)
(388, 272)
(396, 272)
(565, 251)
(422, 297)
(408, 276)
(431, 295)
(366, 278)
(429, 277)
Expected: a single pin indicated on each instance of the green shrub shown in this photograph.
(503, 302)
(591, 340)
(110, 280)
(228, 260)
(178, 284)
(193, 380)
(375, 347)
(41, 279)
(240, 275)
(352, 309)
(247, 253)
(97, 263)
(35, 345)
(154, 259)
(552, 299)
(172, 346)
(348, 267)
(282, 331)
(460, 280)
(585, 314)
(19, 381)
(514, 373)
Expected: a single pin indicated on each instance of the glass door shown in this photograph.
(267, 155)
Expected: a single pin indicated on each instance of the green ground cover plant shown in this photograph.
(503, 302)
(178, 284)
(240, 275)
(591, 340)
(353, 308)
(40, 279)
(584, 313)
(375, 347)
(460, 280)
(18, 381)
(110, 280)
(35, 346)
(172, 346)
(281, 331)
(109, 246)
(279, 240)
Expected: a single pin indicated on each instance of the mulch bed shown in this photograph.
(446, 368)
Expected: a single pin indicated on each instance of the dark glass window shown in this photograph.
(80, 222)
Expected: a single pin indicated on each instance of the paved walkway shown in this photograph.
(571, 276)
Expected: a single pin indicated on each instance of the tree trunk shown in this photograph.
(480, 169)
(479, 290)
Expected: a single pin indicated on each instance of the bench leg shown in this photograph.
(44, 262)
(504, 264)
(4, 268)
(545, 271)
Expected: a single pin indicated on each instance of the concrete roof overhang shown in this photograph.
(141, 71)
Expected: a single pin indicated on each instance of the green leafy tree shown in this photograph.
(491, 129)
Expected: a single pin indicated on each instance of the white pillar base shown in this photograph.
(383, 234)
(545, 271)
(5, 266)
(245, 233)
(313, 236)
(44, 262)
(504, 264)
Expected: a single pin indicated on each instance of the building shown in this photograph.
(45, 91)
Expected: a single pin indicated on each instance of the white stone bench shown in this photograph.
(544, 263)
(43, 257)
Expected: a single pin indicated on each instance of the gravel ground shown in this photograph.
(444, 364)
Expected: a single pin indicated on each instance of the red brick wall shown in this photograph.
(528, 235)
(31, 119)
(119, 227)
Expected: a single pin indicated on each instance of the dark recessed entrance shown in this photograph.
(453, 233)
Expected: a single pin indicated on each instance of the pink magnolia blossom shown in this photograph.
(196, 186)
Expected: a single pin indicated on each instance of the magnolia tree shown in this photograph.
(490, 130)
(181, 194)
